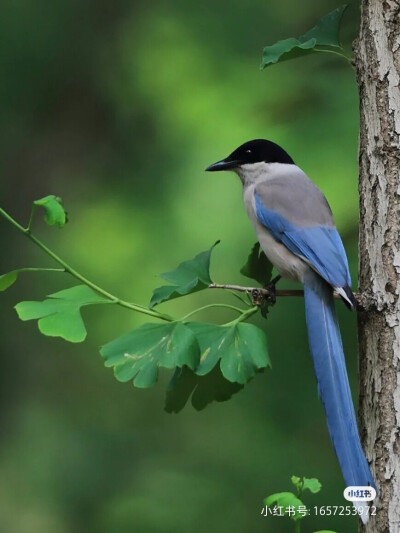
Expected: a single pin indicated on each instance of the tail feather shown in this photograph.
(333, 385)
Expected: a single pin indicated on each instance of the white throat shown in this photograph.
(252, 173)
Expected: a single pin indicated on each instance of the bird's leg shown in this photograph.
(271, 288)
(274, 281)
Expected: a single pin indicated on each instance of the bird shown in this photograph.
(295, 227)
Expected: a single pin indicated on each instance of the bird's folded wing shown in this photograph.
(320, 246)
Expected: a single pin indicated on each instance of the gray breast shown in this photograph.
(297, 199)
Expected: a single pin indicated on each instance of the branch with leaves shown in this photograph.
(323, 37)
(210, 361)
(289, 504)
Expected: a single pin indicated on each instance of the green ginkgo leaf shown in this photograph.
(258, 266)
(188, 277)
(239, 348)
(311, 484)
(287, 500)
(326, 31)
(202, 390)
(139, 354)
(323, 36)
(6, 280)
(55, 214)
(59, 315)
(286, 49)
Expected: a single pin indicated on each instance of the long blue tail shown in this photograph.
(333, 384)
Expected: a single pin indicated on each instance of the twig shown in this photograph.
(262, 292)
(265, 293)
(67, 268)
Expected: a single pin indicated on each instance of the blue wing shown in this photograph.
(320, 246)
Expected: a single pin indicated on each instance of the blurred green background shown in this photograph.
(118, 108)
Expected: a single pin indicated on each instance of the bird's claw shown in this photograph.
(271, 297)
(266, 296)
(257, 297)
(262, 297)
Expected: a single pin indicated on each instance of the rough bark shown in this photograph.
(378, 70)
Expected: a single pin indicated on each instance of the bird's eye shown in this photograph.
(248, 152)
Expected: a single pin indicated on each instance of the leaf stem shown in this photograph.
(248, 303)
(40, 269)
(209, 306)
(33, 210)
(77, 275)
(245, 315)
(332, 52)
(297, 526)
(248, 313)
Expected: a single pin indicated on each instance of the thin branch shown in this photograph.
(232, 307)
(39, 269)
(349, 59)
(265, 293)
(67, 268)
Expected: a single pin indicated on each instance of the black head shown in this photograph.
(256, 151)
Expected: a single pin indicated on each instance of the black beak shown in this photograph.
(225, 164)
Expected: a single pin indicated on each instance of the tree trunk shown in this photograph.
(378, 71)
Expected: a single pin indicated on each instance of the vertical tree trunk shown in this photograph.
(378, 71)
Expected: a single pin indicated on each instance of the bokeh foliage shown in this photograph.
(118, 107)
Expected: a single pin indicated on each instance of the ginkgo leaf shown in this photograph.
(240, 348)
(190, 276)
(326, 31)
(286, 500)
(311, 484)
(286, 49)
(6, 280)
(139, 354)
(59, 315)
(323, 36)
(202, 390)
(55, 214)
(258, 266)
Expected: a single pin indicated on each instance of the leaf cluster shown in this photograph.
(290, 499)
(293, 500)
(210, 362)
